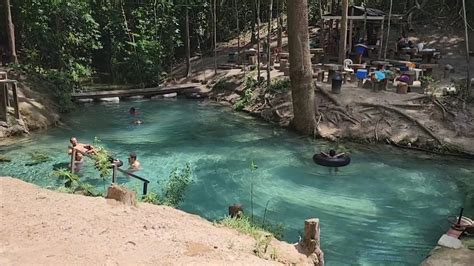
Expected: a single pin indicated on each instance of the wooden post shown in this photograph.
(3, 101)
(15, 100)
(343, 32)
(73, 157)
(312, 240)
(114, 173)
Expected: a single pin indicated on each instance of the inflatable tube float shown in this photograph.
(331, 162)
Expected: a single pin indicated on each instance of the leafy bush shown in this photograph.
(71, 179)
(245, 101)
(101, 157)
(172, 193)
(279, 86)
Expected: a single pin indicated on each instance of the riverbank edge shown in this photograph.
(271, 115)
(275, 252)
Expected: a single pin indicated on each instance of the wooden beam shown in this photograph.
(355, 17)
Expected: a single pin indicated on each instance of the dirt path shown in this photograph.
(43, 227)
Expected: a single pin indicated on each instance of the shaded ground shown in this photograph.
(50, 228)
(443, 125)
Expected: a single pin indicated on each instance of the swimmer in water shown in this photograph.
(133, 112)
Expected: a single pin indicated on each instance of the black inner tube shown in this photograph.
(323, 160)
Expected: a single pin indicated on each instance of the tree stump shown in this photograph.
(312, 242)
(122, 195)
(236, 211)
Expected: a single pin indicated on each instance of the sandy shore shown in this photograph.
(43, 227)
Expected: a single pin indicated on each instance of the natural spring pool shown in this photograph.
(387, 207)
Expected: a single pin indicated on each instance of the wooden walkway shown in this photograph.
(147, 92)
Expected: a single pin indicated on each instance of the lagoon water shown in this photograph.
(387, 207)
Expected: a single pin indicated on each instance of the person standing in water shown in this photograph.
(133, 163)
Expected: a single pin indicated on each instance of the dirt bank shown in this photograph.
(37, 111)
(44, 227)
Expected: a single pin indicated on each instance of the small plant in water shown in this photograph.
(71, 179)
(38, 158)
(173, 193)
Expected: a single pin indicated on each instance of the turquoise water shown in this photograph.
(387, 207)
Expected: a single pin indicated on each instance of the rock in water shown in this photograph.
(122, 195)
(110, 100)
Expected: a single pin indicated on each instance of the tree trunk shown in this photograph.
(187, 43)
(300, 67)
(343, 32)
(253, 39)
(215, 37)
(258, 40)
(280, 25)
(269, 41)
(10, 32)
(388, 29)
(467, 51)
(238, 31)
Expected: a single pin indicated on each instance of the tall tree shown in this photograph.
(302, 90)
(269, 43)
(258, 40)
(187, 42)
(10, 32)
(238, 30)
(280, 24)
(468, 85)
(343, 32)
(215, 35)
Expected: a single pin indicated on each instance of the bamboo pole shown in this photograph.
(388, 29)
(467, 50)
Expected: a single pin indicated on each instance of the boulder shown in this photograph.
(122, 195)
(86, 100)
(110, 100)
(170, 95)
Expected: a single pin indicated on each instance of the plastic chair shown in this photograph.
(348, 62)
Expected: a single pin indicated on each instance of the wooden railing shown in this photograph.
(114, 167)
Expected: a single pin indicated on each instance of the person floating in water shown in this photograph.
(82, 148)
(133, 112)
(333, 154)
(133, 163)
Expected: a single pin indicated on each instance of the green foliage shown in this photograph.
(224, 85)
(173, 193)
(101, 157)
(38, 157)
(279, 86)
(245, 101)
(254, 228)
(71, 180)
(152, 198)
